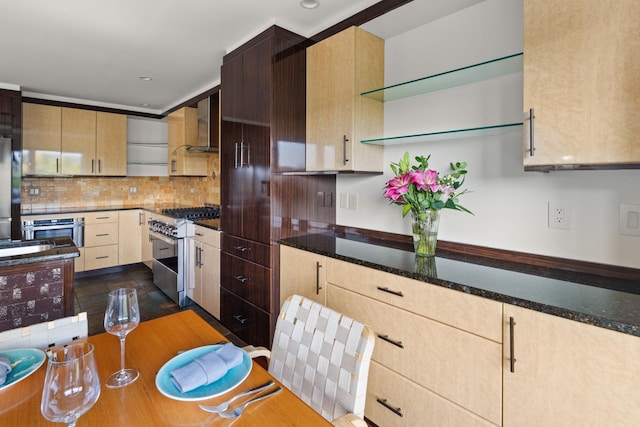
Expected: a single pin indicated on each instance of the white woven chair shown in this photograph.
(323, 357)
(46, 334)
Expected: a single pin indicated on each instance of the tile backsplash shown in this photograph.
(40, 193)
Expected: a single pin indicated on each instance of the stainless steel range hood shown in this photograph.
(207, 142)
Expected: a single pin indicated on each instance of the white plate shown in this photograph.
(231, 380)
(24, 362)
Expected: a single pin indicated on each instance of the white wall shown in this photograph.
(510, 206)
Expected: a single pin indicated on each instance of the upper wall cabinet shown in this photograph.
(183, 133)
(581, 84)
(339, 68)
(70, 141)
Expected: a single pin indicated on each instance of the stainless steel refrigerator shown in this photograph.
(6, 187)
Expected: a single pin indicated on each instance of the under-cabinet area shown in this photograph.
(450, 354)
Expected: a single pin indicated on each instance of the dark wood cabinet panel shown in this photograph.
(246, 249)
(247, 280)
(245, 320)
(11, 126)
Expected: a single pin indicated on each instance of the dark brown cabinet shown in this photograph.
(263, 133)
(11, 128)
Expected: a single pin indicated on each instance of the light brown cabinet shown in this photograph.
(145, 240)
(581, 78)
(100, 240)
(41, 139)
(130, 227)
(71, 141)
(203, 276)
(339, 69)
(568, 373)
(302, 273)
(183, 132)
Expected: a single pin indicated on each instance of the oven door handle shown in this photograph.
(51, 227)
(162, 237)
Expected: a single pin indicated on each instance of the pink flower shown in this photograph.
(446, 192)
(397, 187)
(425, 180)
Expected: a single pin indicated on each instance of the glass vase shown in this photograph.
(424, 226)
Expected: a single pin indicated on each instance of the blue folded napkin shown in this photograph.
(207, 368)
(5, 368)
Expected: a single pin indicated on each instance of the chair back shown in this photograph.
(46, 334)
(322, 356)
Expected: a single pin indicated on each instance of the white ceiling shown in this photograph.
(94, 52)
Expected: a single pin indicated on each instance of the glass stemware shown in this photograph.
(121, 317)
(71, 384)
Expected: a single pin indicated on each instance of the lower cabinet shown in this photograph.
(100, 240)
(243, 319)
(302, 273)
(568, 373)
(130, 226)
(203, 276)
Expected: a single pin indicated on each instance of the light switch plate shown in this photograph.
(629, 222)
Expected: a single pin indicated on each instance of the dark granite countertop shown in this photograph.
(603, 307)
(62, 247)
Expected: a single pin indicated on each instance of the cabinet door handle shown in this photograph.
(344, 149)
(241, 279)
(241, 248)
(140, 218)
(174, 168)
(57, 165)
(318, 287)
(389, 291)
(240, 319)
(389, 340)
(512, 349)
(99, 166)
(93, 166)
(531, 146)
(200, 264)
(393, 409)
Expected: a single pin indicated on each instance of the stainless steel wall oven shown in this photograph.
(54, 227)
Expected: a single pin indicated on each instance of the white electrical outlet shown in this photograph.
(353, 201)
(559, 215)
(344, 201)
(629, 222)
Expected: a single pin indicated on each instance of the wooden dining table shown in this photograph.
(148, 348)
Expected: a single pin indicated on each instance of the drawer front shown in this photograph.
(100, 257)
(207, 235)
(100, 217)
(394, 401)
(471, 313)
(243, 319)
(247, 249)
(462, 367)
(246, 279)
(101, 234)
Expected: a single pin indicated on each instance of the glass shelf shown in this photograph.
(447, 134)
(461, 76)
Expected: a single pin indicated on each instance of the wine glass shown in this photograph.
(121, 317)
(71, 384)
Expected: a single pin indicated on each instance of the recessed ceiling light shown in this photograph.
(145, 78)
(309, 4)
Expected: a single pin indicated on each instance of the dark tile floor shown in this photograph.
(91, 289)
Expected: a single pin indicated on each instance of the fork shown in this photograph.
(235, 413)
(224, 405)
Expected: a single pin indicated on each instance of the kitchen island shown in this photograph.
(36, 281)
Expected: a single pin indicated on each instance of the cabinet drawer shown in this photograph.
(100, 257)
(247, 249)
(246, 321)
(461, 367)
(394, 401)
(206, 235)
(246, 279)
(474, 314)
(101, 234)
(100, 217)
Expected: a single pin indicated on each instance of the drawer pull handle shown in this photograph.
(389, 291)
(241, 248)
(240, 319)
(163, 249)
(199, 234)
(512, 349)
(389, 340)
(102, 257)
(384, 403)
(102, 235)
(241, 279)
(102, 217)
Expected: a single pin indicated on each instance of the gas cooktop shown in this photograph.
(202, 212)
